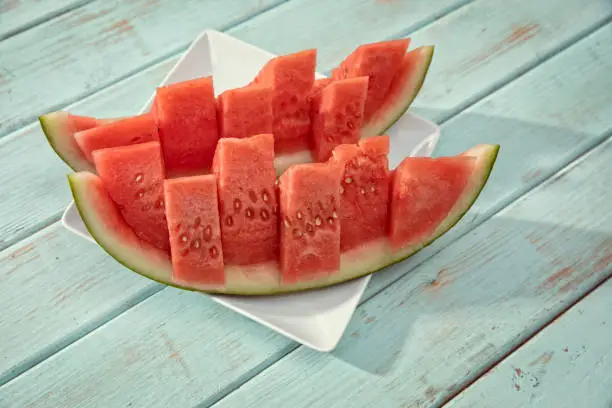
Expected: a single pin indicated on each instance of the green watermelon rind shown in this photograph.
(371, 258)
(413, 86)
(54, 127)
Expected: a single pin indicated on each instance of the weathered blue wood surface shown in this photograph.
(20, 15)
(573, 354)
(496, 78)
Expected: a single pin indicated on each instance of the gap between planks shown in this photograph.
(514, 349)
(154, 290)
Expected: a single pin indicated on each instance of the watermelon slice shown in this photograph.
(195, 235)
(124, 132)
(105, 223)
(403, 90)
(59, 128)
(339, 116)
(186, 115)
(244, 112)
(247, 199)
(134, 177)
(291, 77)
(364, 192)
(379, 61)
(309, 226)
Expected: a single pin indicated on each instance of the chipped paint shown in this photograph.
(558, 276)
(543, 359)
(517, 36)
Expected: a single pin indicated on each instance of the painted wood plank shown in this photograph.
(225, 346)
(20, 15)
(117, 41)
(437, 329)
(323, 25)
(595, 59)
(91, 47)
(58, 287)
(554, 31)
(568, 364)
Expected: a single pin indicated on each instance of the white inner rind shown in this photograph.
(262, 279)
(57, 128)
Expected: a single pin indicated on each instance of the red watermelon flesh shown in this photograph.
(124, 132)
(423, 192)
(315, 95)
(291, 77)
(244, 112)
(340, 116)
(247, 199)
(309, 225)
(134, 177)
(186, 114)
(195, 235)
(364, 191)
(380, 62)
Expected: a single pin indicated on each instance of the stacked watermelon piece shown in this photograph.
(278, 186)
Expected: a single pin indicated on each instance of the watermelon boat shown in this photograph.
(242, 231)
(365, 95)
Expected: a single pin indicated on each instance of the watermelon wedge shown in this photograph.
(309, 189)
(134, 177)
(404, 88)
(60, 127)
(380, 62)
(123, 132)
(195, 235)
(338, 117)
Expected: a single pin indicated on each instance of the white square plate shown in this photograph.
(319, 318)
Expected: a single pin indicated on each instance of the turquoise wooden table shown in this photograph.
(511, 307)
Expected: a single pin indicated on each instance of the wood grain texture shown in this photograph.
(166, 360)
(20, 15)
(568, 364)
(91, 47)
(425, 337)
(596, 57)
(53, 299)
(336, 28)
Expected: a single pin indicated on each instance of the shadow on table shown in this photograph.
(452, 316)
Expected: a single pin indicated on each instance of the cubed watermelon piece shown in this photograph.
(244, 112)
(195, 235)
(340, 116)
(186, 114)
(247, 199)
(134, 177)
(423, 193)
(291, 77)
(379, 61)
(124, 132)
(364, 191)
(309, 224)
